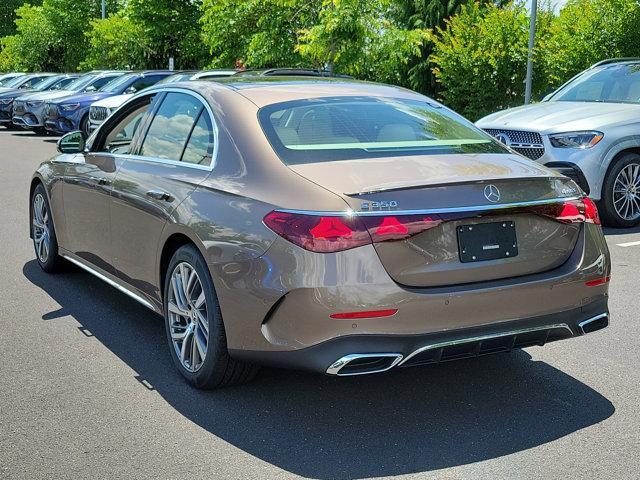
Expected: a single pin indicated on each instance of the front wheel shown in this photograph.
(621, 192)
(84, 126)
(195, 331)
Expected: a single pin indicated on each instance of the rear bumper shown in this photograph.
(364, 354)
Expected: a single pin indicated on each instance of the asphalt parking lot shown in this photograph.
(87, 390)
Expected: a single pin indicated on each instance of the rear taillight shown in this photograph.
(591, 211)
(334, 233)
(570, 211)
(326, 234)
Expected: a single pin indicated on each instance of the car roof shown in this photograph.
(613, 61)
(263, 91)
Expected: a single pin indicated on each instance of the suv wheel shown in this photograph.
(195, 331)
(621, 192)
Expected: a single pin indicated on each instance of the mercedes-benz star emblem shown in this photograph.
(492, 193)
(503, 138)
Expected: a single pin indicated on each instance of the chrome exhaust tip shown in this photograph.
(594, 323)
(364, 364)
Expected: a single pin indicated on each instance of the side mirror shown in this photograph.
(72, 142)
(131, 90)
(90, 88)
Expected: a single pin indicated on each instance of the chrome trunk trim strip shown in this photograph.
(471, 208)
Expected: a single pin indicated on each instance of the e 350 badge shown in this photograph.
(382, 205)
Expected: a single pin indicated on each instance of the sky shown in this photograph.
(557, 4)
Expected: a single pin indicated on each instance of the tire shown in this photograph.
(184, 323)
(613, 202)
(45, 242)
(84, 125)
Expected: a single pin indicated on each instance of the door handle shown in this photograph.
(160, 195)
(100, 180)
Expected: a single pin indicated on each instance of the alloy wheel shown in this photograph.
(188, 318)
(626, 192)
(41, 234)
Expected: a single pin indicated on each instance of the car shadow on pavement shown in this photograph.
(412, 420)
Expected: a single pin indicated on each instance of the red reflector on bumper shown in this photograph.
(597, 281)
(367, 314)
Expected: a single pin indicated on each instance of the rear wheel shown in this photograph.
(195, 331)
(43, 233)
(621, 192)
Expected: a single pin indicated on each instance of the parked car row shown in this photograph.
(61, 103)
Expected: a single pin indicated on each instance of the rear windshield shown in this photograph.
(343, 128)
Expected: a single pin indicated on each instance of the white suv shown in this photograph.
(588, 129)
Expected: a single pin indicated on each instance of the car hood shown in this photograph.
(83, 97)
(552, 117)
(113, 102)
(47, 95)
(378, 174)
(12, 92)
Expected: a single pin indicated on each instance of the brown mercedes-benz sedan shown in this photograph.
(326, 224)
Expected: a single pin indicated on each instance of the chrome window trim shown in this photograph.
(152, 90)
(426, 211)
(107, 280)
(485, 337)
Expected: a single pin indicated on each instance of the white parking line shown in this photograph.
(628, 244)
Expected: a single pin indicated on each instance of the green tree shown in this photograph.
(263, 33)
(479, 57)
(587, 31)
(116, 42)
(428, 15)
(33, 47)
(357, 37)
(8, 14)
(170, 29)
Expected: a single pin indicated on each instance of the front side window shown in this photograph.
(120, 137)
(343, 128)
(171, 127)
(615, 83)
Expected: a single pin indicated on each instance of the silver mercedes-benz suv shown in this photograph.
(589, 130)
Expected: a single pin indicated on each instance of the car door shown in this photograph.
(173, 158)
(88, 186)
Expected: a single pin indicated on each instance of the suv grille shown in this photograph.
(528, 144)
(18, 107)
(98, 113)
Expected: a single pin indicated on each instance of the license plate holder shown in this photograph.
(487, 241)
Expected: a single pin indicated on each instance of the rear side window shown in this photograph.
(342, 128)
(171, 127)
(146, 81)
(199, 149)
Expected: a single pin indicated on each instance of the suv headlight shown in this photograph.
(580, 140)
(68, 107)
(6, 101)
(34, 103)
